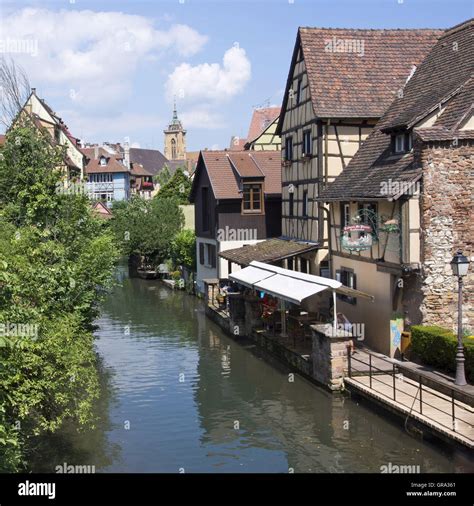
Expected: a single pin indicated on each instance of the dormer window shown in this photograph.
(103, 161)
(402, 143)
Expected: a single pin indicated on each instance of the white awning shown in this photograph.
(250, 275)
(288, 288)
(289, 285)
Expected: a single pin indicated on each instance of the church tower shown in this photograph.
(175, 139)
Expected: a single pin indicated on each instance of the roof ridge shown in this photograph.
(456, 28)
(371, 29)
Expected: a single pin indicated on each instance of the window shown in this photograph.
(307, 142)
(103, 161)
(402, 142)
(304, 265)
(345, 214)
(57, 134)
(201, 253)
(298, 92)
(173, 149)
(291, 204)
(399, 143)
(368, 215)
(252, 198)
(205, 208)
(305, 203)
(289, 148)
(347, 278)
(211, 255)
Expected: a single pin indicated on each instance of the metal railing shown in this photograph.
(374, 372)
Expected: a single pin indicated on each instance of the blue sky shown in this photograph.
(111, 68)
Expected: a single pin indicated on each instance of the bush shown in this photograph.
(436, 347)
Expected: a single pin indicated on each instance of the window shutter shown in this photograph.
(213, 257)
(201, 253)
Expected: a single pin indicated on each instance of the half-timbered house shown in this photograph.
(237, 199)
(404, 204)
(339, 84)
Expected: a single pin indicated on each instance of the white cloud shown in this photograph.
(91, 128)
(202, 117)
(211, 82)
(92, 56)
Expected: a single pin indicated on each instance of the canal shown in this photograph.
(180, 396)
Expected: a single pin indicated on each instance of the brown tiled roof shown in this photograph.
(139, 170)
(261, 118)
(101, 210)
(445, 71)
(267, 251)
(114, 163)
(245, 165)
(361, 83)
(2, 140)
(269, 163)
(224, 180)
(237, 144)
(374, 164)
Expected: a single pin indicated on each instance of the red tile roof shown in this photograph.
(442, 71)
(225, 182)
(245, 165)
(237, 144)
(114, 163)
(261, 118)
(356, 73)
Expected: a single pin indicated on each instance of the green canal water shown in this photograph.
(179, 395)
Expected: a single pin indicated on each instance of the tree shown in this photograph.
(147, 227)
(56, 262)
(183, 249)
(14, 90)
(177, 187)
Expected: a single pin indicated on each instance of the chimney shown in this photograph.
(126, 157)
(96, 151)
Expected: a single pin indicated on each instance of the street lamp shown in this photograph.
(460, 265)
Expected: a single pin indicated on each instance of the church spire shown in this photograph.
(175, 112)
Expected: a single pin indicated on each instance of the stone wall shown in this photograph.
(329, 355)
(447, 220)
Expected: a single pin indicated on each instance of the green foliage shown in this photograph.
(436, 347)
(183, 249)
(163, 176)
(177, 187)
(147, 227)
(56, 261)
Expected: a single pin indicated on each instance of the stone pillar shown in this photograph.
(329, 355)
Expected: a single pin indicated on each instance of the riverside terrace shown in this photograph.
(269, 306)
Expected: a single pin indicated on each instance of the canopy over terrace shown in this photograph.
(291, 286)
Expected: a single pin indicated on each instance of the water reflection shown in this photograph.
(181, 394)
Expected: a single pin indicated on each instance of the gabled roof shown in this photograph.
(114, 162)
(443, 70)
(261, 119)
(152, 160)
(138, 170)
(355, 73)
(224, 172)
